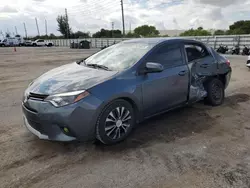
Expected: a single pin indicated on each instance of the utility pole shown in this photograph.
(123, 24)
(37, 27)
(67, 20)
(46, 29)
(25, 30)
(16, 30)
(112, 24)
(130, 30)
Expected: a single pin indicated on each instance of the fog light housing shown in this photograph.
(66, 130)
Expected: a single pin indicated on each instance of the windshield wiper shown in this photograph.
(97, 66)
(81, 61)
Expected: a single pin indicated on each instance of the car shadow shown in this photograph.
(164, 128)
(179, 123)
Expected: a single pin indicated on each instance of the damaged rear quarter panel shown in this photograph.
(200, 71)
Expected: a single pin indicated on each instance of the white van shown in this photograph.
(12, 41)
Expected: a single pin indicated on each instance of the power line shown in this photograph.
(67, 20)
(112, 25)
(92, 11)
(93, 3)
(16, 30)
(46, 28)
(25, 29)
(88, 10)
(37, 27)
(123, 24)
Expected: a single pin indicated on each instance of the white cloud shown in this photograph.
(8, 9)
(92, 15)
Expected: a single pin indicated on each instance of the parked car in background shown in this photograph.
(41, 42)
(106, 94)
(248, 62)
(84, 44)
(28, 43)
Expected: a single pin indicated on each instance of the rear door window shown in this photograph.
(196, 51)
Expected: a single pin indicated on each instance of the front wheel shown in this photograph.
(115, 122)
(215, 92)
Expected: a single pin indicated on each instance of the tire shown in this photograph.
(215, 92)
(110, 129)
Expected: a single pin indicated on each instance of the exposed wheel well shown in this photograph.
(221, 77)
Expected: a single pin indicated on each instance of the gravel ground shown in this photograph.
(193, 147)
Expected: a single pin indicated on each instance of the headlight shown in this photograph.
(63, 99)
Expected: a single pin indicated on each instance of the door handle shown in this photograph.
(182, 73)
(204, 66)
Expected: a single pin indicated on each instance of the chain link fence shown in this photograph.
(213, 41)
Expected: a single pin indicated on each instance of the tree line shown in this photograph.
(239, 27)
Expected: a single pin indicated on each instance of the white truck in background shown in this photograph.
(41, 42)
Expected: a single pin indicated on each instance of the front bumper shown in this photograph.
(59, 137)
(48, 122)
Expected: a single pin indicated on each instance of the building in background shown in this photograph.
(171, 33)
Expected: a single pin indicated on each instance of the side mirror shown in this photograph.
(152, 68)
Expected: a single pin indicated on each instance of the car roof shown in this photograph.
(159, 40)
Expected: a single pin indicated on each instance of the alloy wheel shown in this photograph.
(117, 122)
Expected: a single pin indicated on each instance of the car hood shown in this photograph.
(67, 78)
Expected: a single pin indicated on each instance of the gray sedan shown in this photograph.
(103, 96)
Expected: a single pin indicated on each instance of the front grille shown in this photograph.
(37, 96)
(29, 108)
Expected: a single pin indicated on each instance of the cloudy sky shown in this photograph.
(91, 15)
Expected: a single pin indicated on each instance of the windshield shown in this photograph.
(119, 56)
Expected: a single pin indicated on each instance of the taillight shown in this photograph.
(228, 62)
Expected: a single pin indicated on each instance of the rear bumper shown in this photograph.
(228, 77)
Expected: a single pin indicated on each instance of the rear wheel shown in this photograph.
(115, 122)
(215, 92)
